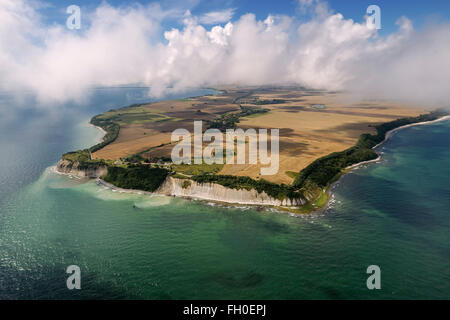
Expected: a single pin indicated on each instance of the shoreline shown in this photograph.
(387, 137)
(110, 186)
(328, 191)
(390, 132)
(103, 131)
(101, 183)
(281, 209)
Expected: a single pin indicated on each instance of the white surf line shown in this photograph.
(390, 132)
(54, 169)
(353, 166)
(388, 136)
(99, 128)
(112, 187)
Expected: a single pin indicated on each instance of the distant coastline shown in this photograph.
(389, 135)
(380, 157)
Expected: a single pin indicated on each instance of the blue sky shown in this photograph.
(419, 11)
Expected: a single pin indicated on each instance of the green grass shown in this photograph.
(321, 200)
(133, 114)
(270, 101)
(197, 169)
(231, 119)
(179, 176)
(83, 160)
(186, 184)
(316, 204)
(292, 174)
(80, 156)
(133, 118)
(255, 115)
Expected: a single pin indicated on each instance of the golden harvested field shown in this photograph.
(312, 124)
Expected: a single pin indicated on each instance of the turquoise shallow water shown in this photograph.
(393, 214)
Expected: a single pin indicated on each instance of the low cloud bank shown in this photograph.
(120, 46)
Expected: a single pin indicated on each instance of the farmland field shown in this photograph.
(312, 124)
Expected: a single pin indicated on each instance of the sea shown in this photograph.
(394, 214)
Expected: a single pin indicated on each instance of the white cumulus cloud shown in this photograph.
(215, 17)
(128, 45)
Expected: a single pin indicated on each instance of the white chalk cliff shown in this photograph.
(216, 192)
(72, 168)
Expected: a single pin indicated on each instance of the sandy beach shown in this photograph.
(100, 129)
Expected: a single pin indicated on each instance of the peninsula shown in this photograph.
(321, 134)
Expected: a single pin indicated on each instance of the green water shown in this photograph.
(394, 214)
